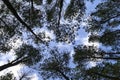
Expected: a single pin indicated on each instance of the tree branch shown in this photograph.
(104, 21)
(67, 78)
(10, 7)
(108, 58)
(106, 76)
(4, 22)
(13, 63)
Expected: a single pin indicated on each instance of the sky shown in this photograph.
(81, 38)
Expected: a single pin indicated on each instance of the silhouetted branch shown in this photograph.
(106, 76)
(106, 20)
(67, 78)
(10, 7)
(4, 22)
(107, 58)
(13, 63)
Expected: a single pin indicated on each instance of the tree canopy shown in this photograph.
(34, 30)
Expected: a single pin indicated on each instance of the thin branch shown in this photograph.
(106, 76)
(104, 21)
(107, 58)
(67, 78)
(4, 22)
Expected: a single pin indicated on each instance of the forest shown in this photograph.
(59, 39)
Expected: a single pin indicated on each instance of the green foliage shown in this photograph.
(94, 38)
(32, 17)
(38, 2)
(114, 23)
(104, 21)
(28, 53)
(75, 8)
(6, 32)
(50, 14)
(108, 38)
(8, 76)
(53, 66)
(84, 54)
(106, 15)
(49, 1)
(105, 71)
